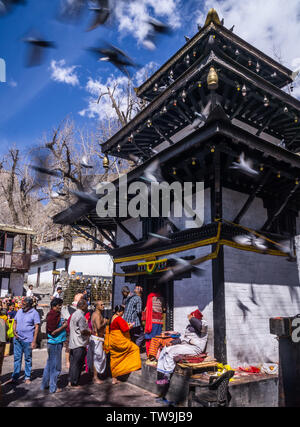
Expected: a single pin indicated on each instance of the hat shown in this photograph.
(197, 314)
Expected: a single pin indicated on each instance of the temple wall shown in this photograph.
(257, 287)
(233, 201)
(195, 293)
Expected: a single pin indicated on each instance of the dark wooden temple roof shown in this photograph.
(170, 112)
(235, 47)
(246, 112)
(199, 147)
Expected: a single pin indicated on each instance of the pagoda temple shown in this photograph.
(217, 101)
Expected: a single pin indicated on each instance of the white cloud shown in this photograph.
(61, 73)
(104, 109)
(133, 16)
(272, 26)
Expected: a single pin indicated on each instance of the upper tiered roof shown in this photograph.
(232, 45)
(248, 89)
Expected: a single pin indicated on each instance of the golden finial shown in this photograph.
(105, 162)
(212, 16)
(212, 79)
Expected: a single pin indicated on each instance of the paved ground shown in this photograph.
(105, 395)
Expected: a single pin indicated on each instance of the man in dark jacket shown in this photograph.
(56, 333)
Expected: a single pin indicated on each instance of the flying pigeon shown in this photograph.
(84, 163)
(244, 166)
(155, 238)
(37, 46)
(102, 13)
(49, 253)
(85, 197)
(156, 27)
(45, 171)
(182, 266)
(244, 308)
(201, 118)
(159, 27)
(153, 173)
(251, 240)
(114, 55)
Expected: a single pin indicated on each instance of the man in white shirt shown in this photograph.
(29, 292)
(58, 293)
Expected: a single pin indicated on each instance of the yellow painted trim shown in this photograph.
(251, 249)
(202, 243)
(168, 251)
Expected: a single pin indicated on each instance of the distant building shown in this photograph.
(15, 256)
(84, 258)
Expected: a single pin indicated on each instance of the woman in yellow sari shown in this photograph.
(124, 354)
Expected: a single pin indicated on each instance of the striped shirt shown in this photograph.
(133, 310)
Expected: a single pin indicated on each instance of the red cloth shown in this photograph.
(185, 358)
(197, 314)
(119, 324)
(89, 320)
(53, 318)
(249, 369)
(148, 326)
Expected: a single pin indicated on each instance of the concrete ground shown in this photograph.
(98, 395)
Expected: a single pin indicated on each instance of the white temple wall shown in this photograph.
(233, 201)
(88, 264)
(195, 293)
(257, 288)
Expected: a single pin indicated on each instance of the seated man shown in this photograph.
(192, 344)
(157, 343)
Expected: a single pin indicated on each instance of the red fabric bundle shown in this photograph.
(197, 314)
(184, 358)
(250, 370)
(148, 326)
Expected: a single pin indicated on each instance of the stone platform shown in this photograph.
(251, 390)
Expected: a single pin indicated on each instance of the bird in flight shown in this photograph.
(156, 28)
(182, 266)
(102, 12)
(115, 56)
(245, 166)
(36, 50)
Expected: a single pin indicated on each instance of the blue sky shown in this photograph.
(32, 102)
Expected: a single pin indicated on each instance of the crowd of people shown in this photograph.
(102, 346)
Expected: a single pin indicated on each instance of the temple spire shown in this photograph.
(212, 16)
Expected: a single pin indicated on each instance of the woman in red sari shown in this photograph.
(124, 354)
